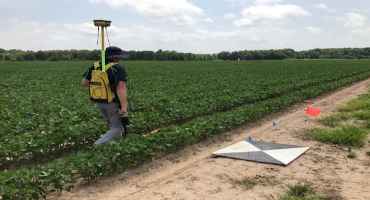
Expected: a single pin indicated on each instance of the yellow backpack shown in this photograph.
(100, 90)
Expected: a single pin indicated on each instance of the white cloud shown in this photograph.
(273, 24)
(313, 30)
(322, 6)
(236, 3)
(139, 37)
(229, 16)
(355, 20)
(179, 11)
(267, 1)
(84, 28)
(208, 20)
(36, 35)
(267, 11)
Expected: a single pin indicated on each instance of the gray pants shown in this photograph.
(110, 113)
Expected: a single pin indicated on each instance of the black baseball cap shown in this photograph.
(114, 51)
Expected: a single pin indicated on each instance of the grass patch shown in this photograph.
(362, 103)
(367, 125)
(335, 120)
(347, 136)
(246, 183)
(250, 182)
(302, 192)
(354, 113)
(362, 115)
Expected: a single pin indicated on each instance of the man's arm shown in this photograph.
(122, 94)
(85, 83)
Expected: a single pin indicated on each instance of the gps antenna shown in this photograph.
(102, 24)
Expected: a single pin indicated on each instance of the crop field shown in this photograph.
(48, 125)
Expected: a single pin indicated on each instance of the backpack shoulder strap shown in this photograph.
(110, 65)
(96, 65)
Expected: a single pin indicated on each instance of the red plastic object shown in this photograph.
(313, 112)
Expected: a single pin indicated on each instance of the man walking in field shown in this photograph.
(108, 90)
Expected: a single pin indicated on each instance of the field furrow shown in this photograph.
(47, 125)
(32, 148)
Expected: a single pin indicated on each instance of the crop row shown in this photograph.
(36, 182)
(28, 147)
(161, 96)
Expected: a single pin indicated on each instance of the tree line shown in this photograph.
(59, 55)
(338, 53)
(66, 55)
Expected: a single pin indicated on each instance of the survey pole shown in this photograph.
(102, 26)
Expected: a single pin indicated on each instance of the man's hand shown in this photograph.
(122, 96)
(123, 109)
(85, 83)
(124, 118)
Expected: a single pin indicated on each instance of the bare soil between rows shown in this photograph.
(193, 174)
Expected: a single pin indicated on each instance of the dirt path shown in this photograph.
(193, 175)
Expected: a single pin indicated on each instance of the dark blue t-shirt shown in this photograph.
(116, 73)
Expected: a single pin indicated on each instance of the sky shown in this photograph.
(199, 26)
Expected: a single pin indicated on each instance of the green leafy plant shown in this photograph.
(46, 145)
(248, 183)
(352, 155)
(302, 192)
(348, 136)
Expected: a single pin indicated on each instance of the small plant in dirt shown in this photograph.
(347, 136)
(362, 115)
(246, 183)
(250, 182)
(352, 155)
(361, 103)
(368, 153)
(334, 120)
(302, 192)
